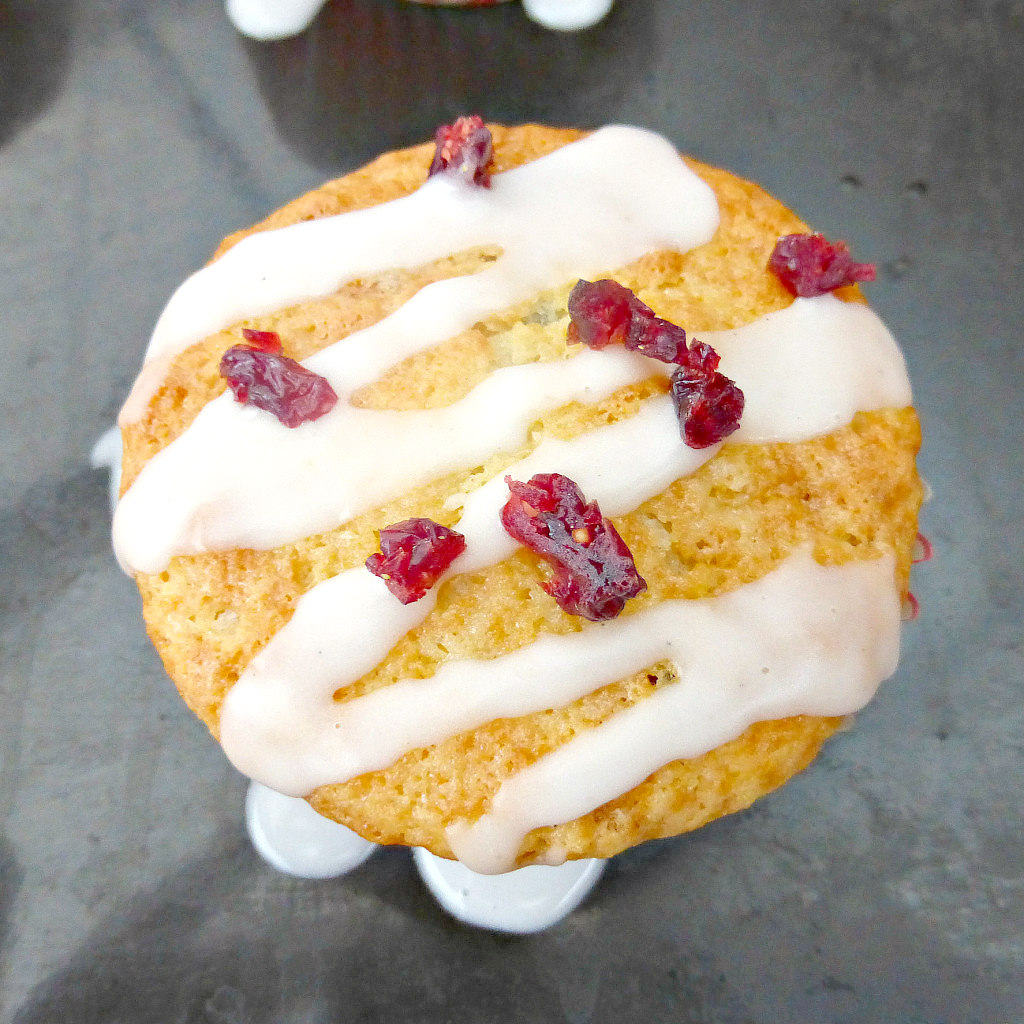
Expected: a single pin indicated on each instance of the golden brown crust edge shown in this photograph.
(852, 494)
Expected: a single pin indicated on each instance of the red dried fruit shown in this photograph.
(464, 148)
(262, 341)
(601, 313)
(812, 265)
(414, 555)
(660, 340)
(606, 312)
(708, 405)
(275, 383)
(707, 402)
(594, 573)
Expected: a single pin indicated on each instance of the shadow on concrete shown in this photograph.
(228, 941)
(371, 75)
(34, 37)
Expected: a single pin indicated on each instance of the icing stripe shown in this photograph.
(279, 722)
(802, 640)
(807, 369)
(619, 466)
(237, 478)
(584, 209)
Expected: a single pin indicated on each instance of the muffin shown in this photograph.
(585, 530)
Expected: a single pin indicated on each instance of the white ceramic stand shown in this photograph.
(106, 454)
(567, 15)
(522, 902)
(290, 836)
(279, 19)
(272, 19)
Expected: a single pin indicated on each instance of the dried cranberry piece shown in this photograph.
(606, 312)
(262, 341)
(414, 555)
(594, 573)
(812, 265)
(707, 402)
(601, 313)
(275, 383)
(464, 148)
(659, 339)
(701, 357)
(708, 405)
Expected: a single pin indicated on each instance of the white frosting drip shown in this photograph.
(237, 478)
(802, 640)
(584, 209)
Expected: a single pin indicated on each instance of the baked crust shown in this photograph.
(852, 494)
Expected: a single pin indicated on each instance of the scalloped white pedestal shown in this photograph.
(272, 19)
(279, 19)
(523, 901)
(291, 837)
(567, 15)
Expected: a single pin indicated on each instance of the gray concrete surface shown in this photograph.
(884, 884)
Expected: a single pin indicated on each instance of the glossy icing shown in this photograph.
(805, 639)
(237, 478)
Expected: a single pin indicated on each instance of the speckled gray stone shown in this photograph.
(886, 884)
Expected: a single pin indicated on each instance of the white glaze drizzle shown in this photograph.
(583, 209)
(802, 640)
(586, 208)
(283, 702)
(237, 478)
(279, 722)
(807, 369)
